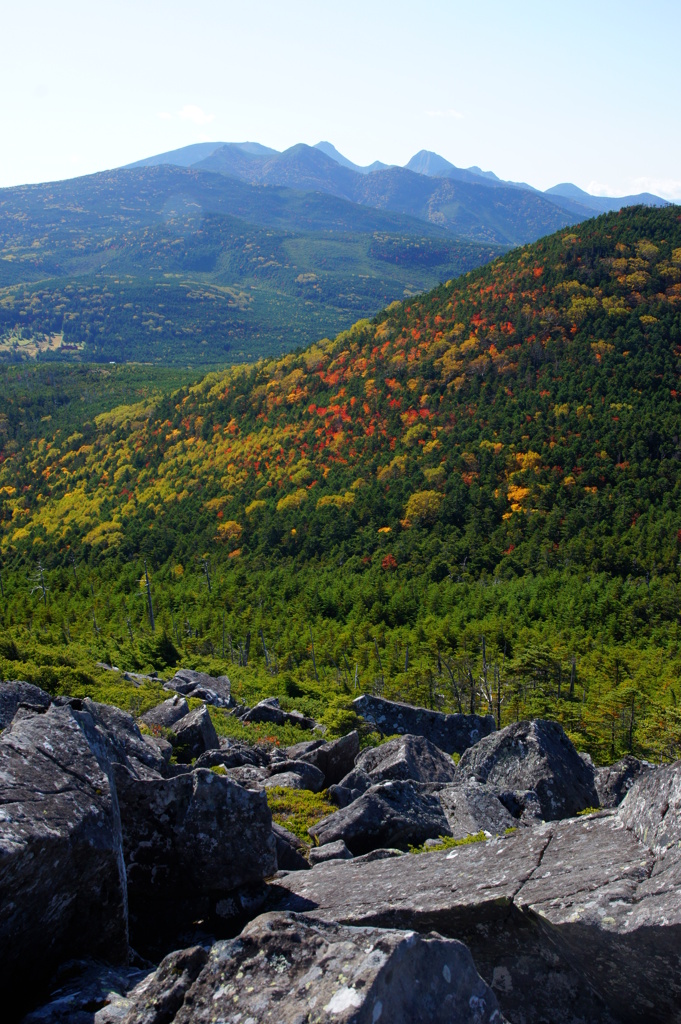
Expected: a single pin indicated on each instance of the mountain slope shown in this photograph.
(470, 206)
(497, 458)
(183, 266)
(558, 363)
(603, 204)
(300, 168)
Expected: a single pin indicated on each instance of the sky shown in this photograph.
(538, 92)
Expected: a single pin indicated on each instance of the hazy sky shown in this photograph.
(540, 92)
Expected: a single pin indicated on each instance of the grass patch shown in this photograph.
(298, 809)
(257, 732)
(448, 843)
(588, 810)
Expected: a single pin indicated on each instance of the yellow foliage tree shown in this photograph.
(423, 506)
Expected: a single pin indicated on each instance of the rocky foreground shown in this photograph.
(142, 880)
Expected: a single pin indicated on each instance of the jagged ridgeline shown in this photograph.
(477, 491)
(174, 266)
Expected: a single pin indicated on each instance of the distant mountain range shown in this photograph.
(233, 251)
(322, 168)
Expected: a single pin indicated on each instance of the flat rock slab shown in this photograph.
(572, 920)
(289, 969)
(451, 733)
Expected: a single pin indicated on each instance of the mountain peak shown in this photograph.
(429, 163)
(329, 150)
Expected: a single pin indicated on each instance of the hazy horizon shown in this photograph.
(587, 94)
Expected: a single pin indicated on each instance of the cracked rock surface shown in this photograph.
(62, 877)
(575, 920)
(537, 756)
(451, 733)
(395, 813)
(290, 969)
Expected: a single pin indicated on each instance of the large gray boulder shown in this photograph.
(350, 788)
(295, 775)
(189, 841)
(122, 738)
(291, 851)
(335, 758)
(396, 813)
(251, 777)
(289, 969)
(407, 757)
(471, 808)
(234, 754)
(570, 920)
(614, 781)
(62, 876)
(330, 851)
(165, 715)
(451, 733)
(194, 735)
(297, 750)
(215, 690)
(269, 710)
(159, 996)
(15, 692)
(652, 810)
(536, 756)
(85, 986)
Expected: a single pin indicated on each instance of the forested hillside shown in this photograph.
(176, 266)
(472, 500)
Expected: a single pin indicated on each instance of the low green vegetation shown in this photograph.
(470, 503)
(155, 267)
(298, 809)
(449, 843)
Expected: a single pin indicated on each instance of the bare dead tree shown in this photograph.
(471, 686)
(149, 604)
(378, 659)
(205, 566)
(38, 578)
(455, 687)
(314, 660)
(264, 648)
(485, 687)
